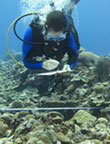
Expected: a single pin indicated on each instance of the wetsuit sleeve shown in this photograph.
(28, 52)
(72, 51)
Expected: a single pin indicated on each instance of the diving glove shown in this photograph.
(50, 64)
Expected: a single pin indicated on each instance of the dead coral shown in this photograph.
(103, 68)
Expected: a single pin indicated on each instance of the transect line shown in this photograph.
(49, 109)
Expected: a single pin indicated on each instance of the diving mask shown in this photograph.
(55, 37)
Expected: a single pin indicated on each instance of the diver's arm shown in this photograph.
(28, 52)
(72, 51)
(29, 55)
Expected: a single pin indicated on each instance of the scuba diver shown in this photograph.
(50, 41)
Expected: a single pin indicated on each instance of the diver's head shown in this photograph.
(55, 26)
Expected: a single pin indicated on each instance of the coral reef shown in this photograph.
(103, 68)
(87, 86)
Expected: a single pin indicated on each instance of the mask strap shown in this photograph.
(67, 20)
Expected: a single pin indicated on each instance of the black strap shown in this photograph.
(36, 30)
(74, 32)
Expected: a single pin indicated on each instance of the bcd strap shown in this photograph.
(36, 29)
(35, 23)
(74, 31)
(71, 28)
(67, 20)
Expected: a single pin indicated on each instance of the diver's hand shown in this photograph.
(65, 71)
(66, 68)
(50, 64)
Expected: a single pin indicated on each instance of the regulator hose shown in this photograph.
(14, 23)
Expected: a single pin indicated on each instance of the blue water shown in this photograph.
(92, 25)
(94, 31)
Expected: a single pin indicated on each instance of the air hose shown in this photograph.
(14, 24)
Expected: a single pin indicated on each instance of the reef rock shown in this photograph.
(83, 116)
(103, 69)
(61, 137)
(88, 58)
(3, 129)
(102, 120)
(91, 142)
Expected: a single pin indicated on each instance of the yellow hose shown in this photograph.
(8, 34)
